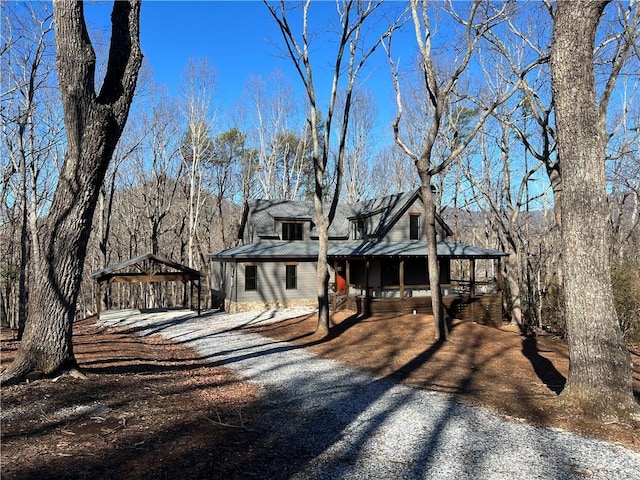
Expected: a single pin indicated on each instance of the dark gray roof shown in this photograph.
(139, 261)
(390, 209)
(281, 249)
(264, 214)
(270, 249)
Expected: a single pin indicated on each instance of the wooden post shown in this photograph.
(472, 277)
(334, 299)
(365, 309)
(98, 295)
(401, 274)
(199, 295)
(348, 275)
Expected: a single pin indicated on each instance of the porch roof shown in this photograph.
(273, 250)
(146, 268)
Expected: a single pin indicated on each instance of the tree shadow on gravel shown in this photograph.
(324, 422)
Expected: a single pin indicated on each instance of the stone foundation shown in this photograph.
(238, 307)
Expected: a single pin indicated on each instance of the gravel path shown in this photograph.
(328, 421)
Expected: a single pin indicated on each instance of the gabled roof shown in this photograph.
(264, 214)
(147, 267)
(279, 249)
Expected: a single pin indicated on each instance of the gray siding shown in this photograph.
(271, 282)
(401, 229)
(222, 279)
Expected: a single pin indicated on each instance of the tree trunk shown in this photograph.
(322, 274)
(599, 383)
(93, 125)
(4, 318)
(439, 320)
(510, 270)
(24, 258)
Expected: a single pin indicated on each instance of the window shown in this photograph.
(414, 227)
(357, 229)
(291, 231)
(292, 277)
(250, 277)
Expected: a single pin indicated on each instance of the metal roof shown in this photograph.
(407, 249)
(139, 261)
(265, 212)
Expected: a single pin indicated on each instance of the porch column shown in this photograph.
(98, 299)
(366, 281)
(347, 275)
(401, 275)
(335, 282)
(365, 307)
(199, 287)
(472, 277)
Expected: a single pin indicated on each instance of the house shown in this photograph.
(377, 257)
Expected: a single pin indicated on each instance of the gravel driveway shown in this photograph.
(328, 421)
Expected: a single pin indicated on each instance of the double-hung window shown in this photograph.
(250, 278)
(292, 277)
(291, 231)
(357, 229)
(414, 227)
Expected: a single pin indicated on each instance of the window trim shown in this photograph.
(415, 216)
(358, 229)
(253, 277)
(288, 277)
(293, 229)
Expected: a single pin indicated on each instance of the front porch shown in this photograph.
(484, 309)
(374, 286)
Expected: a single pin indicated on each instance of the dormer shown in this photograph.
(293, 229)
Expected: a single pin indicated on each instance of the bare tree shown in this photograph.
(359, 138)
(93, 122)
(623, 174)
(396, 168)
(599, 382)
(29, 135)
(350, 56)
(197, 90)
(158, 167)
(281, 136)
(503, 185)
(445, 107)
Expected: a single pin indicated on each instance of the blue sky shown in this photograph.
(239, 39)
(236, 37)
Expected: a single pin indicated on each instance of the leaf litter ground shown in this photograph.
(151, 408)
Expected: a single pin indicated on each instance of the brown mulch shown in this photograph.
(151, 408)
